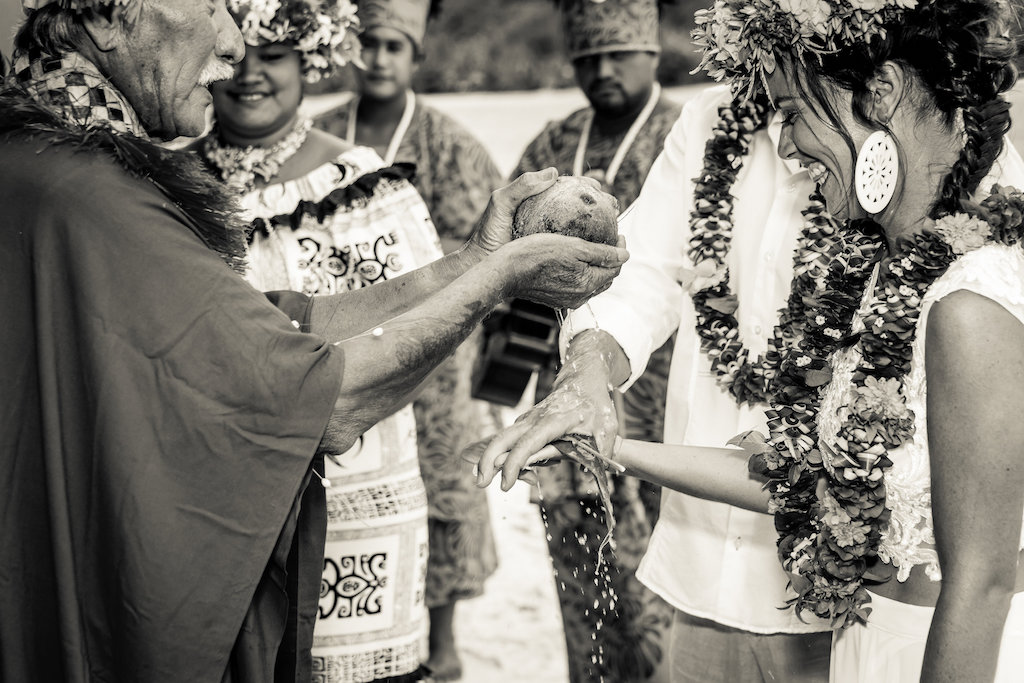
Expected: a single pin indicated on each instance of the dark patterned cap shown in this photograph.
(597, 26)
(407, 16)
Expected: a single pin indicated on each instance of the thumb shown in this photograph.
(508, 198)
(604, 256)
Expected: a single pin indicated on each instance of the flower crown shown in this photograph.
(73, 5)
(323, 31)
(741, 39)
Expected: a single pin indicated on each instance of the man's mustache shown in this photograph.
(216, 70)
(604, 83)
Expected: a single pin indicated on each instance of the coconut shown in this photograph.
(573, 207)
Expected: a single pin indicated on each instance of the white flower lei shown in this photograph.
(239, 166)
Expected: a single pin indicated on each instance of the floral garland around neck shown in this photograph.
(829, 538)
(746, 377)
(239, 166)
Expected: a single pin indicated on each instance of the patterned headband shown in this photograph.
(74, 5)
(595, 26)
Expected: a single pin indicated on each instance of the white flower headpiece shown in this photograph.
(323, 31)
(741, 39)
(74, 5)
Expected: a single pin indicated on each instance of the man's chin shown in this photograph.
(610, 104)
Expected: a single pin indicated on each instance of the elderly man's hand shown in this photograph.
(557, 271)
(495, 226)
(580, 404)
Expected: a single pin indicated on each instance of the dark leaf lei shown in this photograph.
(746, 377)
(829, 539)
(828, 536)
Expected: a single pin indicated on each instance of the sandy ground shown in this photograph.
(513, 632)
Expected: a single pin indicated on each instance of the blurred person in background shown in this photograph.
(347, 222)
(614, 47)
(455, 176)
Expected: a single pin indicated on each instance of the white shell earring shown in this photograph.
(876, 172)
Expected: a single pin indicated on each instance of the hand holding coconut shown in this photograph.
(574, 206)
(555, 262)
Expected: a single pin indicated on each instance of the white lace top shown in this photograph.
(995, 272)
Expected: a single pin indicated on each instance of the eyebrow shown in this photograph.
(784, 100)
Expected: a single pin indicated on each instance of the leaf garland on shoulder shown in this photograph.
(829, 540)
(211, 210)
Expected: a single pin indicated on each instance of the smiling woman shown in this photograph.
(330, 217)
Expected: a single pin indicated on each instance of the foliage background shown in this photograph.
(501, 45)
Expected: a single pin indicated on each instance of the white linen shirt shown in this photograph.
(707, 559)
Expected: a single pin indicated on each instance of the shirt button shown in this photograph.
(757, 329)
(768, 256)
(738, 542)
(296, 324)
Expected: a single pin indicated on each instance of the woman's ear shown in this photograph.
(885, 91)
(106, 26)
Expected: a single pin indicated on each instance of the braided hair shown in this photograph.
(962, 52)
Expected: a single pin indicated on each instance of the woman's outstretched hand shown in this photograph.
(579, 405)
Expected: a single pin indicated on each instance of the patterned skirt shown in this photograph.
(372, 622)
(462, 553)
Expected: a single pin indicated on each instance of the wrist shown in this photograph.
(601, 352)
(468, 255)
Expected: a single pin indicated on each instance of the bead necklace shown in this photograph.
(240, 166)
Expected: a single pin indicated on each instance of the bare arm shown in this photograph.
(394, 333)
(581, 404)
(715, 474)
(341, 316)
(975, 367)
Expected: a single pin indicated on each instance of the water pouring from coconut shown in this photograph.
(574, 206)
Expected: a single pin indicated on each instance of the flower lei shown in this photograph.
(829, 543)
(323, 31)
(239, 166)
(740, 38)
(746, 378)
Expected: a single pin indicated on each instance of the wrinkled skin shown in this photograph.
(557, 271)
(579, 405)
(162, 57)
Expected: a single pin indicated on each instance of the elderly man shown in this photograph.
(160, 417)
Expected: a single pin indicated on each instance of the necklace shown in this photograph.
(829, 539)
(745, 377)
(623, 148)
(239, 166)
(400, 130)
